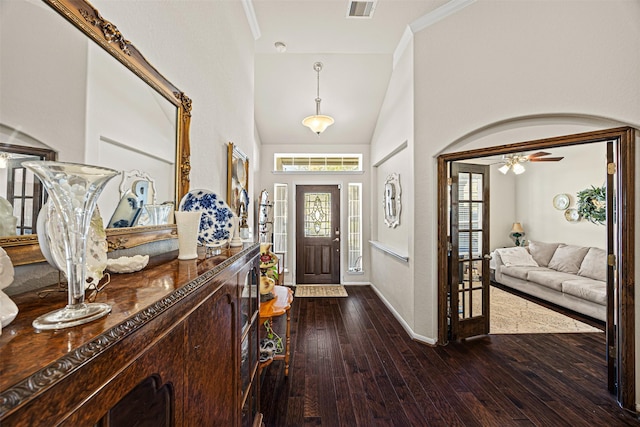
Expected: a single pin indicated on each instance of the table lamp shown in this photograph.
(517, 233)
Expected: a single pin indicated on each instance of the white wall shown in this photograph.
(268, 178)
(582, 167)
(502, 207)
(391, 277)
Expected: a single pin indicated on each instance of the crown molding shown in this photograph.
(439, 14)
(250, 13)
(425, 21)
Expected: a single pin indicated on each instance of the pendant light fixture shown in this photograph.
(318, 123)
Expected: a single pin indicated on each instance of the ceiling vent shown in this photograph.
(361, 9)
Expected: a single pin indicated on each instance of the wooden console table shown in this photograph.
(179, 348)
(276, 307)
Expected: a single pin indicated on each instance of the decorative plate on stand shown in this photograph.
(216, 223)
(49, 227)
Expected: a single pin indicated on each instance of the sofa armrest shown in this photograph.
(498, 264)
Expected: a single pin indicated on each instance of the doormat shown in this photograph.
(321, 291)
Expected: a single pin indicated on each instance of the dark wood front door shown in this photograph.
(317, 234)
(469, 255)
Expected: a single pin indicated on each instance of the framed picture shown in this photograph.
(237, 180)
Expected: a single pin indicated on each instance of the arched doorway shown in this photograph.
(620, 246)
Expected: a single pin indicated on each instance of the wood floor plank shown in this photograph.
(353, 364)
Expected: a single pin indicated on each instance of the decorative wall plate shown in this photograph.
(572, 215)
(127, 211)
(244, 198)
(216, 223)
(49, 226)
(391, 200)
(241, 173)
(561, 201)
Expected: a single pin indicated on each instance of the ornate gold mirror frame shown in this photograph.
(25, 249)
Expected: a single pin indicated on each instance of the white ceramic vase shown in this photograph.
(235, 239)
(188, 223)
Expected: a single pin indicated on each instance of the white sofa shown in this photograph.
(570, 276)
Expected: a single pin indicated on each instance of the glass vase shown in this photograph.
(74, 189)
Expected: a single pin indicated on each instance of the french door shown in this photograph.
(469, 253)
(317, 234)
(25, 194)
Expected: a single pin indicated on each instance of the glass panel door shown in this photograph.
(469, 290)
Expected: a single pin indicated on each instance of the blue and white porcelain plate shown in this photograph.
(244, 198)
(216, 223)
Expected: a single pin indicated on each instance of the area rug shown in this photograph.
(511, 314)
(320, 291)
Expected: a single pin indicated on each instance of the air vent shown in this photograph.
(361, 9)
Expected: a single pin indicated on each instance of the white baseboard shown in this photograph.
(405, 325)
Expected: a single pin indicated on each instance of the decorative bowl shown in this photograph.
(127, 264)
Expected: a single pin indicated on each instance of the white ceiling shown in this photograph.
(357, 55)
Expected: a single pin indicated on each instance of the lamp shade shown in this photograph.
(518, 169)
(318, 123)
(517, 228)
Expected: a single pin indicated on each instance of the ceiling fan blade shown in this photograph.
(538, 154)
(547, 159)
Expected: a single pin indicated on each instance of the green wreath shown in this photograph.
(592, 204)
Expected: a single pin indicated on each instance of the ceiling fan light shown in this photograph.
(504, 168)
(518, 169)
(318, 123)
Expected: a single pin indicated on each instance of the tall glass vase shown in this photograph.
(74, 189)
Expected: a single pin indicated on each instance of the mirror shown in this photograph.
(21, 194)
(98, 103)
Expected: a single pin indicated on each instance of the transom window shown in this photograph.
(317, 162)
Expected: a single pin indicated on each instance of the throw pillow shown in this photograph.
(594, 265)
(516, 257)
(568, 258)
(542, 252)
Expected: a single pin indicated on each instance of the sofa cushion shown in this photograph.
(568, 258)
(542, 252)
(519, 272)
(550, 278)
(588, 289)
(594, 265)
(517, 256)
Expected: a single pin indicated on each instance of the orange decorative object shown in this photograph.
(267, 258)
(266, 285)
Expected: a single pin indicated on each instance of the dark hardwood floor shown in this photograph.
(354, 365)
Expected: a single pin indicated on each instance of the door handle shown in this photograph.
(337, 239)
(487, 256)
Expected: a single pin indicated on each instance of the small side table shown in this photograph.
(276, 307)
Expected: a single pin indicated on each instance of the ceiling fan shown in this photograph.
(514, 161)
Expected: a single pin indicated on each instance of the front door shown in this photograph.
(469, 257)
(317, 234)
